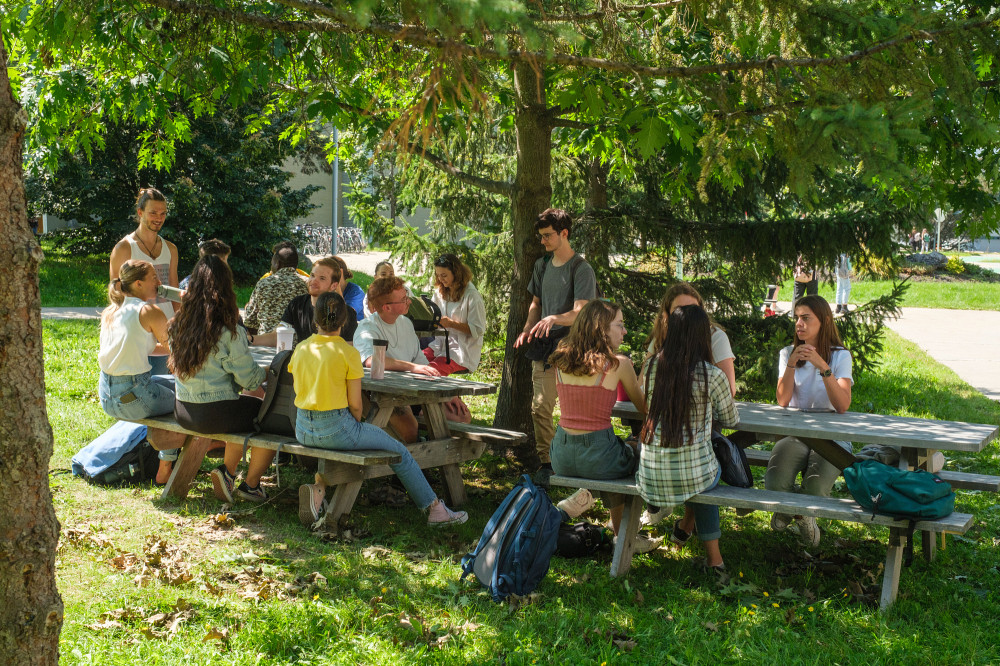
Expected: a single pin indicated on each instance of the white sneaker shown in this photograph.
(643, 544)
(648, 518)
(780, 521)
(439, 515)
(312, 503)
(808, 530)
(577, 503)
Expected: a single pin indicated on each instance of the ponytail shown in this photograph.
(130, 272)
(330, 313)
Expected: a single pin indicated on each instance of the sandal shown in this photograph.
(679, 537)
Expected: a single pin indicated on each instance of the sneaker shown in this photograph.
(312, 504)
(542, 476)
(648, 518)
(257, 494)
(679, 537)
(643, 544)
(577, 503)
(440, 515)
(808, 530)
(780, 521)
(223, 482)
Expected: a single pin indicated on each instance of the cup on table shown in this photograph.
(378, 358)
(286, 335)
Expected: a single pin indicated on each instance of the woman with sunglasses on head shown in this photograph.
(813, 373)
(677, 460)
(462, 313)
(210, 357)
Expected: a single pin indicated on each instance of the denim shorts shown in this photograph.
(134, 397)
(600, 454)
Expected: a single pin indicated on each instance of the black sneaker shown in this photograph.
(541, 477)
(257, 494)
(223, 482)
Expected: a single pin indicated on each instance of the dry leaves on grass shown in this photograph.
(91, 537)
(516, 601)
(616, 637)
(436, 636)
(159, 561)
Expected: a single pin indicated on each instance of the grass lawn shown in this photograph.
(169, 582)
(963, 295)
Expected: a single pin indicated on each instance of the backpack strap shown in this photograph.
(908, 549)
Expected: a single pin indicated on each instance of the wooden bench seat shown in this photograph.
(963, 480)
(481, 433)
(772, 501)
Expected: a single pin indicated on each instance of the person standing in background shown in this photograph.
(843, 271)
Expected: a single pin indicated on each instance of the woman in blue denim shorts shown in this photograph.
(131, 330)
(588, 371)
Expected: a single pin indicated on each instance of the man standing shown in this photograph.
(145, 243)
(389, 302)
(273, 293)
(561, 284)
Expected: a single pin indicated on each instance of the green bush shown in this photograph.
(955, 265)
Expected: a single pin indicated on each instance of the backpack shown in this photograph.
(513, 554)
(580, 539)
(120, 456)
(903, 494)
(424, 313)
(732, 461)
(277, 411)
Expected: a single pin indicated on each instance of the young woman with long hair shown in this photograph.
(327, 373)
(588, 371)
(210, 357)
(131, 330)
(813, 373)
(677, 460)
(462, 313)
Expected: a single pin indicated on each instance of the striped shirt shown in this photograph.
(670, 476)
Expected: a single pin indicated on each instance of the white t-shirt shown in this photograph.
(721, 349)
(466, 349)
(403, 342)
(125, 344)
(809, 392)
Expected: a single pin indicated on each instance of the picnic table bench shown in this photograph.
(447, 447)
(772, 501)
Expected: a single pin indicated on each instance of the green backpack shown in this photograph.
(904, 494)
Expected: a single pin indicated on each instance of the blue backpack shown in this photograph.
(513, 554)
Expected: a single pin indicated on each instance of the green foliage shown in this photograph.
(955, 266)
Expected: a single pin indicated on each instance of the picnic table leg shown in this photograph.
(628, 530)
(438, 428)
(342, 502)
(186, 466)
(893, 566)
(928, 544)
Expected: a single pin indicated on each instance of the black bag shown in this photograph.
(733, 461)
(580, 539)
(424, 313)
(136, 467)
(277, 411)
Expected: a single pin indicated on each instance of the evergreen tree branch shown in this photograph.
(421, 37)
(501, 188)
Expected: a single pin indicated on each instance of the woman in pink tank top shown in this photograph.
(588, 370)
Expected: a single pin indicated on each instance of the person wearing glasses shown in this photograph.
(463, 314)
(389, 302)
(562, 282)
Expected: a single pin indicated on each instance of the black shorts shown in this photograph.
(222, 416)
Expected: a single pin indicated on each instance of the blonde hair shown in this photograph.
(130, 272)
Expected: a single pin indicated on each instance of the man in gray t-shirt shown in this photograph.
(561, 285)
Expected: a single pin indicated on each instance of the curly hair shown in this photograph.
(829, 337)
(330, 313)
(461, 277)
(130, 272)
(208, 308)
(587, 349)
(381, 290)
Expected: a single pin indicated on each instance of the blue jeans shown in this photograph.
(133, 397)
(337, 429)
(706, 517)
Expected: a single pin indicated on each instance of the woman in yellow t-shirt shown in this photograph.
(327, 372)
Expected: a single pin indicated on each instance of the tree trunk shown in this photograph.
(32, 612)
(600, 236)
(532, 195)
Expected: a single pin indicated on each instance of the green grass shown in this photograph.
(392, 594)
(962, 295)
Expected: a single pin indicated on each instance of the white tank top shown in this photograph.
(162, 267)
(125, 344)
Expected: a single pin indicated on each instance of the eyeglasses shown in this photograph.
(405, 301)
(546, 236)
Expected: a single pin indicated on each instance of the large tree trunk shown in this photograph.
(532, 195)
(600, 237)
(31, 612)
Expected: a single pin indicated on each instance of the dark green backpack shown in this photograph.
(904, 494)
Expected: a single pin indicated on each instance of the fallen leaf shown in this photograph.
(639, 599)
(151, 634)
(625, 645)
(216, 635)
(711, 626)
(104, 624)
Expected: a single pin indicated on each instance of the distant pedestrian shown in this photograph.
(915, 240)
(806, 280)
(843, 271)
(925, 238)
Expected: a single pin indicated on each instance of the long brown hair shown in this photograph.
(659, 333)
(828, 338)
(208, 308)
(130, 272)
(587, 350)
(686, 351)
(460, 273)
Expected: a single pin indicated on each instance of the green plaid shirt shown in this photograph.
(670, 476)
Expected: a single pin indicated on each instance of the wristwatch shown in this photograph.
(826, 373)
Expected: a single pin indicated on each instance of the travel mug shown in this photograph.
(378, 358)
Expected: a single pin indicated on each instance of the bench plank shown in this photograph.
(481, 433)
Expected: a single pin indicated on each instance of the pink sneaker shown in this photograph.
(439, 515)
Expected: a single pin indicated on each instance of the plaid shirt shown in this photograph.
(270, 298)
(669, 476)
